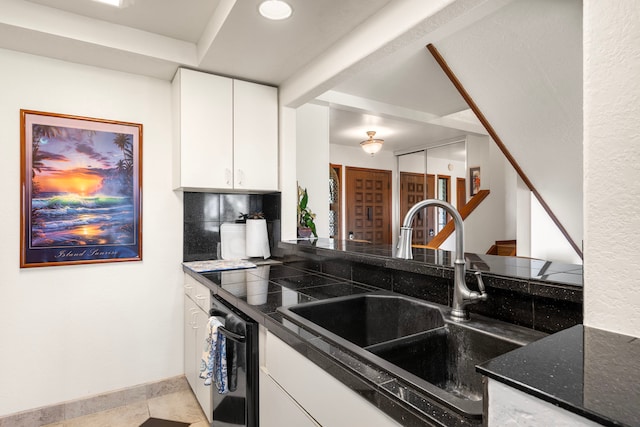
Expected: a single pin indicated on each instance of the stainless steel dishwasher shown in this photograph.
(239, 406)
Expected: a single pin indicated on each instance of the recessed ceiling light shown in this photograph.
(117, 3)
(275, 9)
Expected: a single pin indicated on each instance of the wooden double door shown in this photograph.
(368, 194)
(368, 204)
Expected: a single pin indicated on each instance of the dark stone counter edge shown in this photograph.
(414, 410)
(544, 353)
(526, 285)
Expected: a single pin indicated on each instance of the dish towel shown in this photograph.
(221, 377)
(213, 365)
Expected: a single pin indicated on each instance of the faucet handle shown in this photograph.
(481, 288)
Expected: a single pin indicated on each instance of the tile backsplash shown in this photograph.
(204, 212)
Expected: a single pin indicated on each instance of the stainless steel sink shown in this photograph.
(416, 341)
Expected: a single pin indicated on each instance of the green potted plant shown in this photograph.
(306, 226)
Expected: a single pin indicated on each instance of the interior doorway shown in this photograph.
(444, 194)
(368, 197)
(335, 200)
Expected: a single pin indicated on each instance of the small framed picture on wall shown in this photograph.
(474, 180)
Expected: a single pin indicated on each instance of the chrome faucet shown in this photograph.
(462, 295)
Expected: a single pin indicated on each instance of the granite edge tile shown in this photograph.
(429, 412)
(559, 292)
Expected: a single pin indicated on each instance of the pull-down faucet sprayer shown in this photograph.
(462, 295)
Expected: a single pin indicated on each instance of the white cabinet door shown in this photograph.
(255, 136)
(203, 140)
(202, 392)
(277, 408)
(197, 302)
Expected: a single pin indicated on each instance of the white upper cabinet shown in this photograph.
(255, 136)
(203, 131)
(225, 134)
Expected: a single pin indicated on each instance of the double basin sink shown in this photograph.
(415, 341)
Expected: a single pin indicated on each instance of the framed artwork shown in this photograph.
(80, 190)
(474, 180)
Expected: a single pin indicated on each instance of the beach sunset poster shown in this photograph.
(80, 190)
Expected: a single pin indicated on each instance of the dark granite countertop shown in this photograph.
(588, 371)
(520, 292)
(565, 368)
(259, 292)
(431, 260)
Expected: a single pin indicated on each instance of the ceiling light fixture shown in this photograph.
(275, 9)
(371, 146)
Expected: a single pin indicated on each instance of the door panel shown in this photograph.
(413, 188)
(431, 211)
(369, 204)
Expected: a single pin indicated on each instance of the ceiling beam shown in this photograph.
(55, 33)
(344, 101)
(213, 27)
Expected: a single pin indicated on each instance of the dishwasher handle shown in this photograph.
(227, 333)
(232, 335)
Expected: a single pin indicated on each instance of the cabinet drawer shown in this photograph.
(198, 292)
(277, 408)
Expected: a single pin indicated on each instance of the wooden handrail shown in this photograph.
(466, 210)
(454, 79)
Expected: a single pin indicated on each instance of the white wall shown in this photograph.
(478, 156)
(523, 219)
(440, 167)
(72, 331)
(523, 68)
(494, 218)
(287, 164)
(312, 161)
(611, 172)
(546, 240)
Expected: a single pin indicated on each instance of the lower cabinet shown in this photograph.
(196, 316)
(294, 388)
(277, 408)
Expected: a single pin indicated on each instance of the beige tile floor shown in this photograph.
(180, 406)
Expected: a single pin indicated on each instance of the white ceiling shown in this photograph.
(405, 97)
(168, 18)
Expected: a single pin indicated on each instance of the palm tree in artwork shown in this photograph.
(125, 165)
(40, 134)
(37, 159)
(121, 140)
